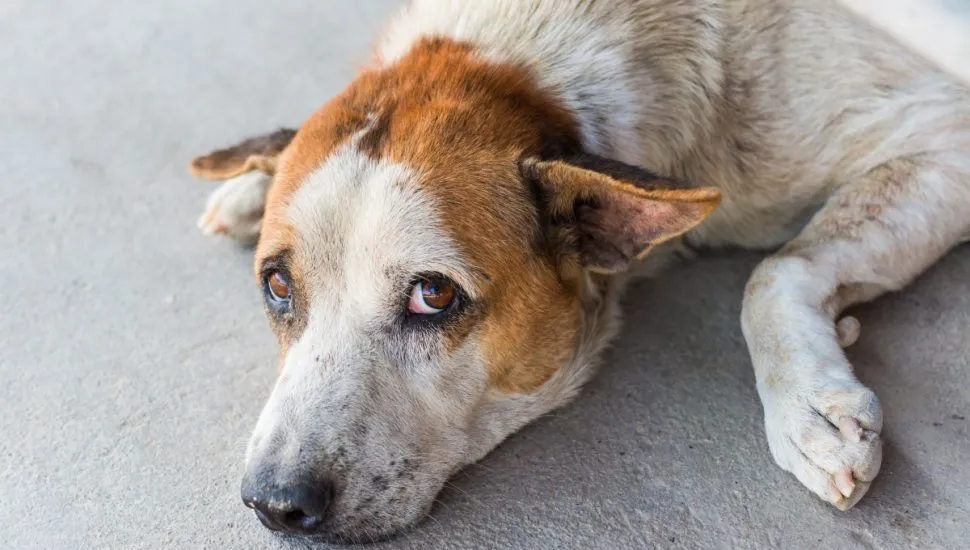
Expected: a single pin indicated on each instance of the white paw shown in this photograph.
(828, 437)
(235, 209)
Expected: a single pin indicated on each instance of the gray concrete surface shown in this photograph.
(134, 356)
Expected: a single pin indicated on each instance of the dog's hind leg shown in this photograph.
(235, 209)
(874, 235)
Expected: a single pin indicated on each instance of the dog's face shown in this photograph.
(435, 284)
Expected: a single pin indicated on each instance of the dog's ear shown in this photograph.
(615, 212)
(257, 153)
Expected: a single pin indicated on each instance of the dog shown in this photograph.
(442, 246)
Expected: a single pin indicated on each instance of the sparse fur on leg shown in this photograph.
(874, 235)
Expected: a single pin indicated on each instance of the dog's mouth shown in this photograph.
(337, 539)
(315, 532)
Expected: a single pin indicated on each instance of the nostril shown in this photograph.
(265, 519)
(299, 520)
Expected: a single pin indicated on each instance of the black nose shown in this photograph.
(298, 508)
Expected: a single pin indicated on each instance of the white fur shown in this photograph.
(822, 424)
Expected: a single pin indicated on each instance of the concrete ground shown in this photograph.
(134, 357)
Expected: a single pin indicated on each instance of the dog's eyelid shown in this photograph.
(470, 279)
(276, 263)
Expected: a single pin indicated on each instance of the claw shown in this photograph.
(848, 502)
(850, 429)
(848, 329)
(210, 225)
(845, 484)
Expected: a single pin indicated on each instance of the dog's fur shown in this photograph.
(501, 143)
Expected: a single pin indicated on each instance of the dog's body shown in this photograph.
(482, 146)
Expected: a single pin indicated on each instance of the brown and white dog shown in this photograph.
(442, 246)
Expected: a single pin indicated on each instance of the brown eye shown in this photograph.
(279, 287)
(432, 295)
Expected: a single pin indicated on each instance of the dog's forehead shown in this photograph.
(452, 123)
(358, 221)
(355, 214)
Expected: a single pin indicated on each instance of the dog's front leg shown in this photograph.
(874, 235)
(235, 208)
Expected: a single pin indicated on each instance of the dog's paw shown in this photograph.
(828, 437)
(235, 209)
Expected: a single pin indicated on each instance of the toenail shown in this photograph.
(849, 427)
(845, 484)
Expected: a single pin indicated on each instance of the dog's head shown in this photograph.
(435, 258)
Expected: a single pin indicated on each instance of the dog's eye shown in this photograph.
(278, 287)
(432, 295)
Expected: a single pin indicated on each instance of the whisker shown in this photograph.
(431, 515)
(466, 494)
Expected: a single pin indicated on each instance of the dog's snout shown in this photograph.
(296, 508)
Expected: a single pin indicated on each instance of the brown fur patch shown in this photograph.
(258, 153)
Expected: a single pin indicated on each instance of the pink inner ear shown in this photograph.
(637, 220)
(618, 227)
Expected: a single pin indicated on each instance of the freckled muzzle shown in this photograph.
(348, 465)
(366, 504)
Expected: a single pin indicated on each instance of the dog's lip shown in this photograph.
(338, 539)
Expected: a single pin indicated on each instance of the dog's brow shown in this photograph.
(275, 260)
